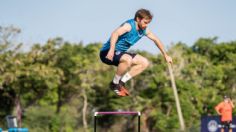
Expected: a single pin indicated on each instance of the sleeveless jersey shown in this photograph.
(128, 39)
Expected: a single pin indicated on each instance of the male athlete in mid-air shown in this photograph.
(114, 51)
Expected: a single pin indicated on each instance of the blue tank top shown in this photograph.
(128, 39)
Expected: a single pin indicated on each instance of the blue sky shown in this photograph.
(93, 21)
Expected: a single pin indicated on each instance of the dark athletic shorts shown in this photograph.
(116, 57)
(226, 124)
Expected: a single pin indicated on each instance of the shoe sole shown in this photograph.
(125, 90)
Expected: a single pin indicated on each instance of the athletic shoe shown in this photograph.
(123, 88)
(117, 89)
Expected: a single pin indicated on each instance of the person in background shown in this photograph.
(225, 109)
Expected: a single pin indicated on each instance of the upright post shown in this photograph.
(139, 114)
(95, 119)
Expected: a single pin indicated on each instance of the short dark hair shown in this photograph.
(143, 13)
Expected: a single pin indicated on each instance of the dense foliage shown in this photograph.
(58, 86)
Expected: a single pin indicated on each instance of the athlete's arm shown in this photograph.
(114, 37)
(159, 44)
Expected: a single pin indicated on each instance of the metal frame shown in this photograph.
(117, 113)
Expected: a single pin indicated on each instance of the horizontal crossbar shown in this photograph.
(117, 113)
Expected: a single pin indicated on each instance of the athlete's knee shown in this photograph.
(127, 59)
(145, 63)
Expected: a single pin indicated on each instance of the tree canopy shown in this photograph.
(57, 86)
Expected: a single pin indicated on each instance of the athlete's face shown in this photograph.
(143, 23)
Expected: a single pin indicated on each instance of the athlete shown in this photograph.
(114, 51)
